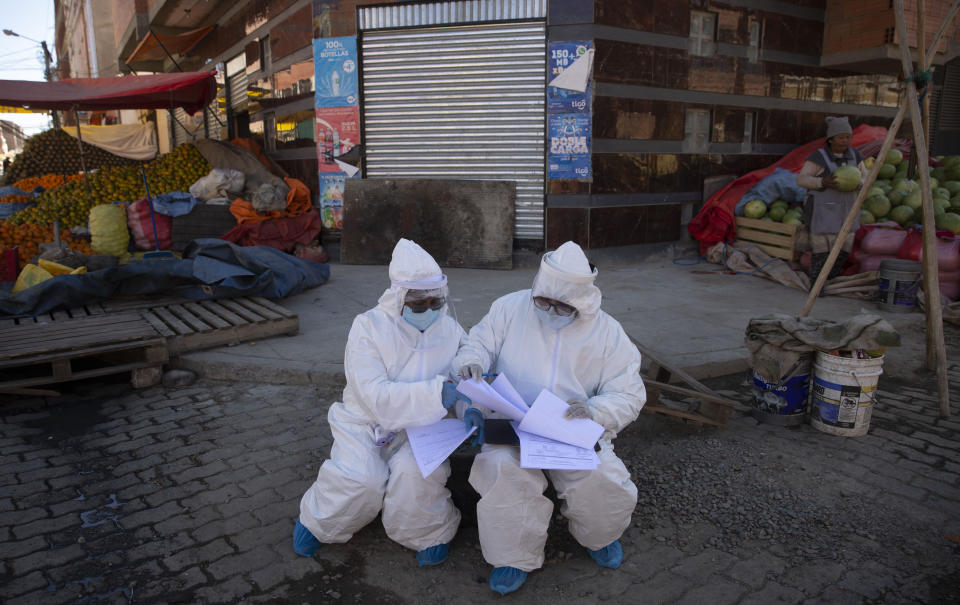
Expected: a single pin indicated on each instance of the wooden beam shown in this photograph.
(936, 348)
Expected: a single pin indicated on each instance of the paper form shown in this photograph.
(541, 452)
(433, 443)
(505, 389)
(545, 418)
(482, 393)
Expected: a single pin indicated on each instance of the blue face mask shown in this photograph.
(420, 321)
(552, 320)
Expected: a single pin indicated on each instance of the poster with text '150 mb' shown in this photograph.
(337, 77)
(569, 155)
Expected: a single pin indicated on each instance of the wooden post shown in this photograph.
(854, 212)
(921, 61)
(936, 349)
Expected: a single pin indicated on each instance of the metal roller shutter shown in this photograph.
(459, 102)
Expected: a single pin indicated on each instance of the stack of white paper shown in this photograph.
(433, 443)
(547, 439)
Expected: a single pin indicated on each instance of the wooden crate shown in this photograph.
(776, 239)
(41, 351)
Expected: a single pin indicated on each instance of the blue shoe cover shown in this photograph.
(304, 543)
(507, 579)
(435, 555)
(609, 556)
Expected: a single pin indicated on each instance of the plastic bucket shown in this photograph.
(843, 394)
(784, 402)
(899, 280)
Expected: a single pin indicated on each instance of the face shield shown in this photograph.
(419, 306)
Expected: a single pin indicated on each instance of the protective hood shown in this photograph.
(411, 268)
(565, 275)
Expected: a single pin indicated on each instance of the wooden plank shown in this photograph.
(77, 353)
(178, 326)
(32, 392)
(195, 323)
(207, 316)
(95, 309)
(750, 235)
(690, 393)
(68, 333)
(221, 311)
(61, 368)
(765, 225)
(659, 409)
(774, 251)
(241, 311)
(60, 315)
(157, 324)
(142, 302)
(681, 374)
(78, 340)
(269, 304)
(7, 323)
(29, 382)
(258, 309)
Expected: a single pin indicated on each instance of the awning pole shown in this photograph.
(83, 163)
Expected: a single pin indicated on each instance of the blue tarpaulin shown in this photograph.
(210, 268)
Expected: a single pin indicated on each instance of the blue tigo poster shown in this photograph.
(561, 56)
(569, 156)
(335, 62)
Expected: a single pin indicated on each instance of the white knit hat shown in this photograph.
(837, 126)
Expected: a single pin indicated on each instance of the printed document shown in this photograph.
(483, 394)
(540, 452)
(433, 443)
(545, 419)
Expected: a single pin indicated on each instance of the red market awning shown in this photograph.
(157, 46)
(191, 91)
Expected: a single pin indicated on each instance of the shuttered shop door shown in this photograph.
(459, 102)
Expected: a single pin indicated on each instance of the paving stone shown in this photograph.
(772, 593)
(137, 464)
(938, 487)
(812, 577)
(150, 515)
(235, 526)
(197, 555)
(43, 559)
(175, 492)
(231, 565)
(705, 563)
(18, 586)
(893, 486)
(754, 571)
(188, 520)
(199, 472)
(131, 445)
(262, 482)
(231, 591)
(45, 526)
(715, 591)
(15, 549)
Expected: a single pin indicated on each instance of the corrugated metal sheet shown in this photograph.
(423, 14)
(945, 103)
(459, 102)
(238, 91)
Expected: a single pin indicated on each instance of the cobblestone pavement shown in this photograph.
(189, 496)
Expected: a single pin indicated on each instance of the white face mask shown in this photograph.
(420, 321)
(552, 320)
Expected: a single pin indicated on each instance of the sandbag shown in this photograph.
(141, 227)
(108, 229)
(882, 241)
(218, 183)
(946, 244)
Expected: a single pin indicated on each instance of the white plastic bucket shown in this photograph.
(843, 394)
(898, 283)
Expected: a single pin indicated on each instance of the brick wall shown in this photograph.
(859, 24)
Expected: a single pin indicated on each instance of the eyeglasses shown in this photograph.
(421, 306)
(562, 309)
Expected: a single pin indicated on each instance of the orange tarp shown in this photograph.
(298, 202)
(150, 48)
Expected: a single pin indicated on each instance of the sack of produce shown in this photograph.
(108, 229)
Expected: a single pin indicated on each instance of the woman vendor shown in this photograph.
(827, 207)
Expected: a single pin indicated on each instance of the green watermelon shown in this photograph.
(847, 177)
(894, 156)
(755, 209)
(902, 215)
(950, 221)
(879, 206)
(777, 212)
(952, 186)
(887, 171)
(867, 218)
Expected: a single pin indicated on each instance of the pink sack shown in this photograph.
(883, 241)
(871, 262)
(141, 227)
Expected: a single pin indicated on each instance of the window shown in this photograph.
(703, 28)
(756, 34)
(696, 131)
(747, 145)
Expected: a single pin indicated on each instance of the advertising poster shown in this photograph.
(569, 154)
(331, 199)
(338, 131)
(562, 55)
(335, 62)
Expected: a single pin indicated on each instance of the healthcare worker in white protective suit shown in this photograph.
(554, 337)
(397, 362)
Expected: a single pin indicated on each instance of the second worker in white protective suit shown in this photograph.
(554, 337)
(397, 362)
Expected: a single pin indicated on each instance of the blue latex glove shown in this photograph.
(473, 418)
(449, 394)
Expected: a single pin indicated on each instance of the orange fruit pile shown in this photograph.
(29, 238)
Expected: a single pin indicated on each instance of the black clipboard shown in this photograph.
(497, 431)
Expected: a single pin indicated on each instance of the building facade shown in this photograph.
(680, 92)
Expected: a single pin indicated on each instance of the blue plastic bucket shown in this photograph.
(783, 402)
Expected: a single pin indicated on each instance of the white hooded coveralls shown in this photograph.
(394, 377)
(592, 360)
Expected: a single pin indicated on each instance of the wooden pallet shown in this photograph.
(41, 351)
(710, 409)
(194, 325)
(776, 239)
